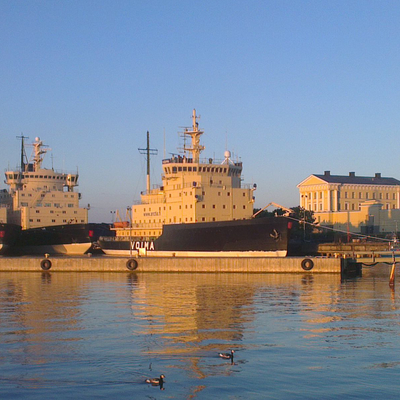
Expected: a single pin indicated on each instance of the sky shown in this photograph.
(291, 88)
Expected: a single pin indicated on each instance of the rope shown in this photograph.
(360, 235)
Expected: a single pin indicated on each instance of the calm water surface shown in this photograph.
(99, 335)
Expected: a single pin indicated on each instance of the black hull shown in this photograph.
(259, 234)
(9, 234)
(59, 239)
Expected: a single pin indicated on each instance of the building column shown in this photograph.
(335, 200)
(329, 201)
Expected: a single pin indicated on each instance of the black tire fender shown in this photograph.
(307, 264)
(45, 264)
(131, 264)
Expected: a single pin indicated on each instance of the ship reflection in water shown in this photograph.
(101, 334)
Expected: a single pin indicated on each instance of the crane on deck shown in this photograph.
(288, 210)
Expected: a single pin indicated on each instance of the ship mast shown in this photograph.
(148, 152)
(22, 137)
(195, 134)
(39, 151)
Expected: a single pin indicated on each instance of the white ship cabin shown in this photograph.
(39, 197)
(193, 190)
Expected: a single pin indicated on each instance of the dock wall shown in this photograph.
(178, 264)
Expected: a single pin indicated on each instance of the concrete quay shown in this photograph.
(102, 263)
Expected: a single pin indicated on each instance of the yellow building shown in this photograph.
(353, 203)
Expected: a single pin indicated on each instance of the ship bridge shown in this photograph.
(41, 179)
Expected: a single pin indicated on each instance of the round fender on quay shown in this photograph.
(307, 264)
(131, 264)
(45, 264)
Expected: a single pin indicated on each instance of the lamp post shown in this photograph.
(304, 197)
(128, 211)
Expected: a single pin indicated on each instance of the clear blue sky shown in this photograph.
(293, 88)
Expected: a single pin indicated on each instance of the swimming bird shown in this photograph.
(228, 356)
(156, 381)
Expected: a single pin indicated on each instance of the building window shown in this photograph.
(366, 195)
(352, 195)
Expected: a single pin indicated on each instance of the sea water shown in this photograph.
(295, 336)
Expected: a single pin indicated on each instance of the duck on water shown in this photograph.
(227, 356)
(156, 381)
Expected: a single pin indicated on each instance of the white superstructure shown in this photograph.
(39, 197)
(192, 190)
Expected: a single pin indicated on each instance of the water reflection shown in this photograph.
(111, 323)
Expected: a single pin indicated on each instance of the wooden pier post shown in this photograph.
(392, 275)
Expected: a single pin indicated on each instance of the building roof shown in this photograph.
(352, 179)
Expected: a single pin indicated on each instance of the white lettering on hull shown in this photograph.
(142, 245)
